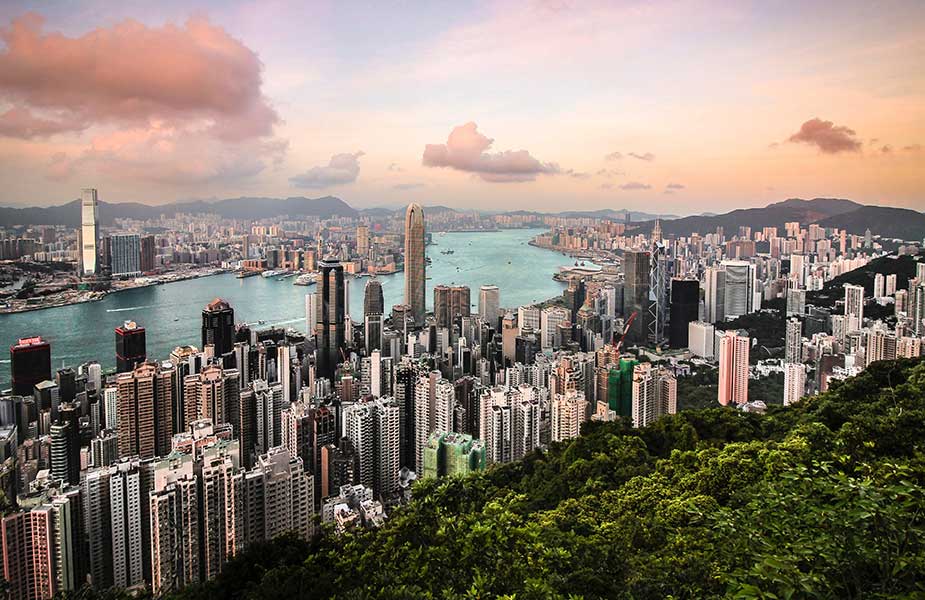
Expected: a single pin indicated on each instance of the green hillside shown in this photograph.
(820, 500)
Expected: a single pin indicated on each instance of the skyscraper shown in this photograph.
(373, 303)
(363, 241)
(733, 368)
(739, 288)
(30, 363)
(636, 294)
(218, 326)
(685, 308)
(145, 398)
(147, 253)
(450, 301)
(793, 350)
(854, 307)
(490, 304)
(89, 232)
(714, 288)
(330, 328)
(130, 346)
(415, 261)
(794, 382)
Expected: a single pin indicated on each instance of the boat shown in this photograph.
(304, 279)
(269, 273)
(246, 274)
(447, 251)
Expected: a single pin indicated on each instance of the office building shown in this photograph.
(148, 254)
(363, 241)
(30, 364)
(700, 339)
(125, 249)
(739, 288)
(373, 304)
(733, 350)
(130, 346)
(415, 267)
(218, 326)
(714, 288)
(450, 302)
(684, 309)
(636, 292)
(490, 304)
(89, 233)
(330, 324)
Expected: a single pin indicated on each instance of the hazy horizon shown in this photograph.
(672, 107)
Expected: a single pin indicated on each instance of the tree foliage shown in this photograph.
(823, 499)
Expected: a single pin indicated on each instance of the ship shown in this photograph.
(246, 274)
(304, 279)
(270, 273)
(447, 251)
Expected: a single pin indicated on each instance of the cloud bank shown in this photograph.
(340, 170)
(466, 150)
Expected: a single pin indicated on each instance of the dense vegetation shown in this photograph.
(824, 499)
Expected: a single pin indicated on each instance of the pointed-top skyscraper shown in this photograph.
(414, 261)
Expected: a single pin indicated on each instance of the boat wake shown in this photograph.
(112, 310)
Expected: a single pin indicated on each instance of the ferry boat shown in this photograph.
(304, 279)
(246, 274)
(269, 273)
(447, 251)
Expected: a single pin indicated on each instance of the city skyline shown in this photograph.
(523, 105)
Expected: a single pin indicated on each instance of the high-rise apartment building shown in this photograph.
(145, 399)
(793, 348)
(794, 382)
(854, 307)
(450, 454)
(655, 394)
(415, 267)
(490, 304)
(363, 241)
(567, 415)
(733, 367)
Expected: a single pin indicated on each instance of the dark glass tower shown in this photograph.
(685, 308)
(30, 363)
(329, 330)
(130, 346)
(218, 326)
(373, 303)
(636, 288)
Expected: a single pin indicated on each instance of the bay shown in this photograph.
(171, 313)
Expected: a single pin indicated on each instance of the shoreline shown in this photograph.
(97, 296)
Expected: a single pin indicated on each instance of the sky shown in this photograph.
(672, 106)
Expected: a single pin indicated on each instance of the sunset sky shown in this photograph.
(670, 107)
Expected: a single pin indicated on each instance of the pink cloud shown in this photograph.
(828, 137)
(466, 150)
(133, 74)
(23, 124)
(341, 169)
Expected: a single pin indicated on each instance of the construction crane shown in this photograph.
(626, 329)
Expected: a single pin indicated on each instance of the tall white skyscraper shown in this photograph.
(739, 288)
(700, 340)
(126, 254)
(490, 304)
(568, 413)
(89, 232)
(879, 285)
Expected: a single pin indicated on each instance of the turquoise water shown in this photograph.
(171, 313)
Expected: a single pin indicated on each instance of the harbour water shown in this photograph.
(171, 313)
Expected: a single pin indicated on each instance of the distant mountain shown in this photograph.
(886, 221)
(618, 215)
(773, 215)
(231, 208)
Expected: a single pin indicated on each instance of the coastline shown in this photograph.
(96, 296)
